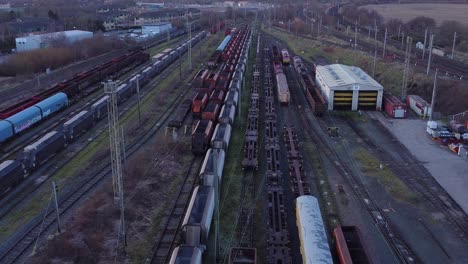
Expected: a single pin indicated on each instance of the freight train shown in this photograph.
(12, 172)
(282, 87)
(349, 245)
(312, 93)
(24, 114)
(198, 216)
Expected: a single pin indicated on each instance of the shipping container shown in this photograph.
(394, 107)
(44, 148)
(11, 173)
(197, 220)
(78, 125)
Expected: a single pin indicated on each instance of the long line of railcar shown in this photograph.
(313, 95)
(13, 172)
(277, 237)
(197, 219)
(22, 115)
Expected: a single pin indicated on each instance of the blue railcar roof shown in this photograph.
(25, 118)
(223, 44)
(54, 99)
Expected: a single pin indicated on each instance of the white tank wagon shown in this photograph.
(312, 235)
(227, 115)
(186, 255)
(207, 172)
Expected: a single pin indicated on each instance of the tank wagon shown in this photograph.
(312, 235)
(197, 218)
(53, 142)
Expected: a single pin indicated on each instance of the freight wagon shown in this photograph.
(418, 105)
(394, 107)
(349, 246)
(211, 172)
(228, 112)
(197, 219)
(242, 255)
(78, 125)
(198, 104)
(186, 254)
(201, 136)
(232, 98)
(181, 114)
(11, 173)
(43, 149)
(221, 137)
(282, 88)
(99, 108)
(312, 235)
(285, 57)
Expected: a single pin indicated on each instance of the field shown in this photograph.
(439, 12)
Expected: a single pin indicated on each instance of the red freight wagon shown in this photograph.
(18, 107)
(199, 79)
(199, 103)
(349, 246)
(217, 96)
(394, 107)
(211, 79)
(211, 111)
(227, 32)
(201, 136)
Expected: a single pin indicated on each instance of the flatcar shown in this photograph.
(282, 88)
(312, 235)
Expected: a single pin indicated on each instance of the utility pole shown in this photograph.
(55, 190)
(138, 95)
(399, 31)
(214, 156)
(375, 51)
(402, 39)
(355, 35)
(454, 40)
(431, 42)
(409, 42)
(384, 43)
(434, 93)
(425, 42)
(115, 138)
(189, 25)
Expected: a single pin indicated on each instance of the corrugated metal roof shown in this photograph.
(314, 243)
(336, 75)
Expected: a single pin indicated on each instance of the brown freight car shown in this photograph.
(201, 136)
(198, 104)
(211, 111)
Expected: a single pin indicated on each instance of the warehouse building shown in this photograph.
(155, 28)
(33, 42)
(348, 88)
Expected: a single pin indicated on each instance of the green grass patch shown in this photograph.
(370, 166)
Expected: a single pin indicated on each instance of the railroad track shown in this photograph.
(278, 237)
(315, 134)
(420, 181)
(400, 247)
(17, 246)
(168, 238)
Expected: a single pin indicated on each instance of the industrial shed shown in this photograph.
(348, 88)
(33, 42)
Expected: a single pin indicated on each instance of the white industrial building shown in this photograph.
(33, 42)
(348, 88)
(155, 28)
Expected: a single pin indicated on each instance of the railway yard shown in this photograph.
(239, 154)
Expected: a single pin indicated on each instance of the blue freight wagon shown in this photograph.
(26, 118)
(223, 44)
(11, 173)
(100, 108)
(6, 130)
(77, 125)
(41, 150)
(53, 104)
